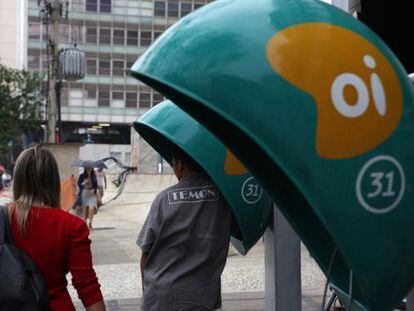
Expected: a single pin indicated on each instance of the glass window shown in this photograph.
(117, 95)
(34, 31)
(156, 98)
(118, 67)
(116, 155)
(172, 9)
(33, 61)
(77, 34)
(132, 37)
(127, 158)
(90, 91)
(145, 38)
(159, 8)
(144, 100)
(105, 6)
(119, 36)
(103, 98)
(185, 8)
(157, 34)
(105, 36)
(91, 35)
(131, 100)
(92, 5)
(104, 67)
(64, 34)
(91, 66)
(198, 5)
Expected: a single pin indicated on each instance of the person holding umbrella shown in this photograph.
(88, 187)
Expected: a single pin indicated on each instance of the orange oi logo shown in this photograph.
(356, 90)
(233, 166)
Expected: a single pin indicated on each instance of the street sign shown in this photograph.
(319, 109)
(166, 126)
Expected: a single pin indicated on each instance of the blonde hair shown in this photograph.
(36, 177)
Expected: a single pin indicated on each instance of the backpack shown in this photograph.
(21, 285)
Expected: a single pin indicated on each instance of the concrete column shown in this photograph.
(283, 290)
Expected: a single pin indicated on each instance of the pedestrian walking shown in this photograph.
(88, 187)
(101, 179)
(56, 241)
(184, 243)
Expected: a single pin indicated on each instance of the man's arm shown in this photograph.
(144, 257)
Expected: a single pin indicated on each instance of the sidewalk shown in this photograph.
(116, 258)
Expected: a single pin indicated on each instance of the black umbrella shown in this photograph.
(89, 163)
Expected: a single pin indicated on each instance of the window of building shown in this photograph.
(104, 67)
(117, 95)
(77, 34)
(105, 36)
(116, 155)
(127, 158)
(91, 35)
(64, 34)
(119, 36)
(105, 6)
(156, 98)
(185, 8)
(132, 37)
(92, 5)
(159, 8)
(198, 5)
(157, 34)
(103, 97)
(145, 38)
(33, 62)
(172, 8)
(90, 91)
(34, 31)
(118, 67)
(91, 66)
(131, 100)
(144, 99)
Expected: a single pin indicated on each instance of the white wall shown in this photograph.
(13, 33)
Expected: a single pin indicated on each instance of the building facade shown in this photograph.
(113, 34)
(13, 33)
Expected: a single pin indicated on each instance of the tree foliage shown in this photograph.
(21, 105)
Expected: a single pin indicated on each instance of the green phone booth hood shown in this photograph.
(319, 109)
(166, 126)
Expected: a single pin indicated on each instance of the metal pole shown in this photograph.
(54, 50)
(283, 290)
(58, 100)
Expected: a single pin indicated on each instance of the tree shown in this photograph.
(21, 106)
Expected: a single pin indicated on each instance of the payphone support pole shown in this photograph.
(282, 266)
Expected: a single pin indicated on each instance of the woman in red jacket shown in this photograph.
(55, 240)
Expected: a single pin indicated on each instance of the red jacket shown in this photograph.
(58, 242)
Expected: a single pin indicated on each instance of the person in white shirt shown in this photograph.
(101, 179)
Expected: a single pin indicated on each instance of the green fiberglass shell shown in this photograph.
(321, 112)
(166, 126)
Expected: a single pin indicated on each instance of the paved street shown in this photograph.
(116, 258)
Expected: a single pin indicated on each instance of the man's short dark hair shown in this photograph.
(180, 155)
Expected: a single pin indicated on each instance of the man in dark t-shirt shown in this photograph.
(184, 243)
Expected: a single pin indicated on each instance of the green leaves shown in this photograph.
(20, 105)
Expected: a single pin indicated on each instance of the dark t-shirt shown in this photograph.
(187, 235)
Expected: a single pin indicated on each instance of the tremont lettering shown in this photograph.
(196, 194)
